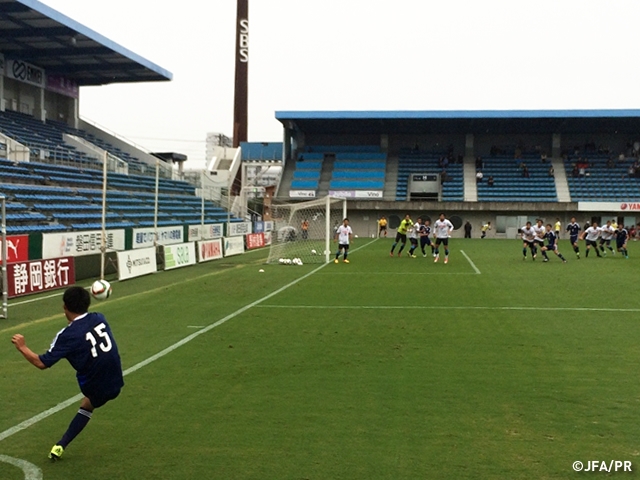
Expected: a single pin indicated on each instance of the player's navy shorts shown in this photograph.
(593, 243)
(552, 246)
(343, 246)
(425, 240)
(444, 241)
(414, 241)
(573, 239)
(383, 227)
(98, 397)
(620, 242)
(603, 241)
(401, 237)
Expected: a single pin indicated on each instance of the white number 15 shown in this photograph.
(105, 345)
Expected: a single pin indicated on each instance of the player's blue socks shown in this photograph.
(446, 252)
(544, 254)
(75, 427)
(437, 251)
(393, 247)
(401, 248)
(524, 251)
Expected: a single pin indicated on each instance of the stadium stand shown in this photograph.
(414, 162)
(522, 179)
(261, 151)
(603, 178)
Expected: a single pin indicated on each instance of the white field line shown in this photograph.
(448, 307)
(473, 265)
(70, 401)
(396, 273)
(31, 472)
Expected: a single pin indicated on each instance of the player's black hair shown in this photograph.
(77, 300)
(528, 223)
(345, 218)
(549, 225)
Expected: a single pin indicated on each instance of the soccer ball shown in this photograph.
(356, 236)
(313, 252)
(288, 261)
(101, 290)
(281, 261)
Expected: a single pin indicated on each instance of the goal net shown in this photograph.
(305, 230)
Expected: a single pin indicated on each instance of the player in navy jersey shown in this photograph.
(425, 240)
(622, 236)
(552, 244)
(574, 234)
(88, 345)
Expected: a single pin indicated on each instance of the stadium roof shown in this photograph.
(463, 121)
(38, 34)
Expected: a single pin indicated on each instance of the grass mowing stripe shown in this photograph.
(61, 406)
(450, 307)
(473, 265)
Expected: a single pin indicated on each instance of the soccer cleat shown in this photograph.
(446, 260)
(564, 261)
(424, 255)
(399, 254)
(413, 256)
(335, 261)
(437, 257)
(391, 253)
(545, 260)
(346, 261)
(56, 452)
(613, 252)
(604, 254)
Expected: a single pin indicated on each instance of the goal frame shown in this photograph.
(5, 258)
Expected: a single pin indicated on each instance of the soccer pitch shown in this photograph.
(386, 368)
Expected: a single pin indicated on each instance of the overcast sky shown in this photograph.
(357, 55)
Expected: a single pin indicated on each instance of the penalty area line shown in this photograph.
(447, 307)
(473, 265)
(31, 472)
(70, 401)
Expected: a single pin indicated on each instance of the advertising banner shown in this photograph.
(181, 255)
(302, 194)
(25, 72)
(63, 86)
(37, 276)
(205, 232)
(255, 240)
(267, 238)
(233, 246)
(76, 244)
(258, 227)
(17, 248)
(608, 206)
(210, 250)
(143, 237)
(238, 228)
(362, 194)
(268, 226)
(135, 263)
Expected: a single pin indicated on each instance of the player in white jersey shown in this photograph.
(591, 236)
(414, 234)
(443, 229)
(343, 237)
(540, 234)
(528, 241)
(606, 235)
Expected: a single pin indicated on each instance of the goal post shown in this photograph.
(305, 230)
(3, 238)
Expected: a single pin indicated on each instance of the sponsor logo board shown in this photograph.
(302, 194)
(17, 248)
(76, 244)
(255, 240)
(233, 246)
(210, 250)
(25, 278)
(180, 255)
(238, 228)
(144, 237)
(135, 263)
(205, 232)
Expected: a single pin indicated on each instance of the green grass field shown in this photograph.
(386, 368)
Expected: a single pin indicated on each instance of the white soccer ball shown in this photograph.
(325, 252)
(101, 290)
(356, 236)
(300, 262)
(288, 261)
(281, 261)
(313, 252)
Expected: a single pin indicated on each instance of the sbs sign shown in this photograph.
(25, 278)
(134, 263)
(233, 246)
(209, 250)
(181, 255)
(76, 244)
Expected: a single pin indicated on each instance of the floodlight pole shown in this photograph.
(103, 246)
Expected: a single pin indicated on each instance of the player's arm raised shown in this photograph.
(32, 357)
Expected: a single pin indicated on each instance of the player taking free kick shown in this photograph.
(88, 345)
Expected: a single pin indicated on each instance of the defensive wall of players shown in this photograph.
(47, 261)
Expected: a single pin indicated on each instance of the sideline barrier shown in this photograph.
(210, 250)
(135, 263)
(56, 245)
(181, 255)
(205, 232)
(255, 240)
(144, 237)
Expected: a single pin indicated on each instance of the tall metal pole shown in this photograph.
(103, 246)
(155, 209)
(5, 260)
(327, 243)
(241, 95)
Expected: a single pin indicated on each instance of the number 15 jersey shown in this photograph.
(88, 345)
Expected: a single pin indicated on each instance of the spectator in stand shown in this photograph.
(467, 229)
(543, 157)
(575, 171)
(479, 163)
(611, 163)
(525, 170)
(490, 181)
(621, 157)
(631, 171)
(479, 176)
(443, 176)
(551, 171)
